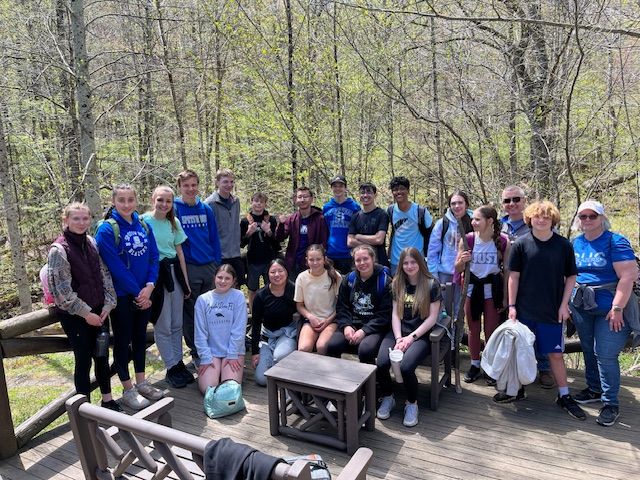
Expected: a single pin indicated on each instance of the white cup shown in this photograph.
(396, 357)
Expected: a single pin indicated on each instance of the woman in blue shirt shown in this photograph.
(603, 306)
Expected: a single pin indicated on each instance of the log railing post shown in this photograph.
(8, 444)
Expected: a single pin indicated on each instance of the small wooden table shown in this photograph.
(308, 377)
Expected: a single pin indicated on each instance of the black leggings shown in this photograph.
(129, 328)
(82, 337)
(415, 354)
(367, 349)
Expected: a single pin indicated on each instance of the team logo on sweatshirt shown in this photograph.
(135, 243)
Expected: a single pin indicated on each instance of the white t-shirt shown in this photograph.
(316, 293)
(484, 262)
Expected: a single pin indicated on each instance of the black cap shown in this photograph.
(338, 178)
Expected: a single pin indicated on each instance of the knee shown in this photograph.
(305, 347)
(260, 378)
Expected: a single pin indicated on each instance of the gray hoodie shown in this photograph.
(228, 221)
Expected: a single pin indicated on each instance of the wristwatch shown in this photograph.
(616, 308)
(414, 336)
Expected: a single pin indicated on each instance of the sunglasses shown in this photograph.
(507, 201)
(593, 216)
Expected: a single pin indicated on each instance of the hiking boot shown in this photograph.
(132, 399)
(569, 405)
(112, 405)
(386, 406)
(174, 377)
(186, 374)
(546, 380)
(410, 415)
(502, 397)
(149, 392)
(472, 375)
(587, 396)
(491, 382)
(608, 415)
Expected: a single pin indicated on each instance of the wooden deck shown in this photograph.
(468, 437)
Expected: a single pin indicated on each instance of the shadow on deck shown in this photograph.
(470, 436)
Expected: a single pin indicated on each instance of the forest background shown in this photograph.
(469, 94)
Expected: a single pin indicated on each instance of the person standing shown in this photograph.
(410, 223)
(369, 226)
(514, 201)
(83, 293)
(257, 231)
(338, 213)
(303, 228)
(226, 208)
(201, 252)
(604, 306)
(443, 244)
(542, 274)
(128, 248)
(172, 287)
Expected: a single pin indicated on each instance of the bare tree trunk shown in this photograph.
(13, 228)
(290, 96)
(442, 187)
(145, 96)
(336, 72)
(69, 126)
(177, 103)
(85, 109)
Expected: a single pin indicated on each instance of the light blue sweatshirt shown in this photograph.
(441, 255)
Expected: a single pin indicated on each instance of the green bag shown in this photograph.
(225, 399)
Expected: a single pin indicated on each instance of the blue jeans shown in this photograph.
(601, 347)
(271, 353)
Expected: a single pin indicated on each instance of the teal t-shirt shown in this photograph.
(166, 239)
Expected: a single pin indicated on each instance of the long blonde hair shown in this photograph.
(422, 297)
(171, 214)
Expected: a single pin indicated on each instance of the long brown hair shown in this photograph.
(171, 214)
(328, 263)
(489, 212)
(422, 297)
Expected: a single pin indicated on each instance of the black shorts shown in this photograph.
(254, 272)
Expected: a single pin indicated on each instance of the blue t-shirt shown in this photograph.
(303, 243)
(406, 231)
(595, 260)
(338, 218)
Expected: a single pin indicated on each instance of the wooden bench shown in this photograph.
(311, 380)
(94, 442)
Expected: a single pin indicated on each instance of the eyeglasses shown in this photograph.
(303, 197)
(592, 216)
(507, 201)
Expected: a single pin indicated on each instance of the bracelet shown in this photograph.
(616, 308)
(512, 305)
(398, 338)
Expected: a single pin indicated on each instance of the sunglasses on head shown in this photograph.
(512, 199)
(592, 216)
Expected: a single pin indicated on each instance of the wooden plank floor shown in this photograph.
(469, 437)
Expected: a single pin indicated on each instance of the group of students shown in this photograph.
(176, 266)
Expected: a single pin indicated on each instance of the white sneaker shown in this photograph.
(149, 392)
(132, 399)
(386, 406)
(410, 415)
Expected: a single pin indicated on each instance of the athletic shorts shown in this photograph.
(549, 336)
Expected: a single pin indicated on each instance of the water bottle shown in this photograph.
(102, 342)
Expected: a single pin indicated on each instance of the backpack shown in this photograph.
(275, 245)
(424, 230)
(48, 298)
(382, 280)
(116, 227)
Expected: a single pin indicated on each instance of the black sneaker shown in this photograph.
(502, 397)
(587, 396)
(472, 375)
(608, 415)
(490, 381)
(186, 374)
(112, 405)
(569, 405)
(174, 377)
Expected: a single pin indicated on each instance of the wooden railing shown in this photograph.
(95, 442)
(12, 344)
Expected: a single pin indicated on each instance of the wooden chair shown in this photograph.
(441, 351)
(94, 442)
